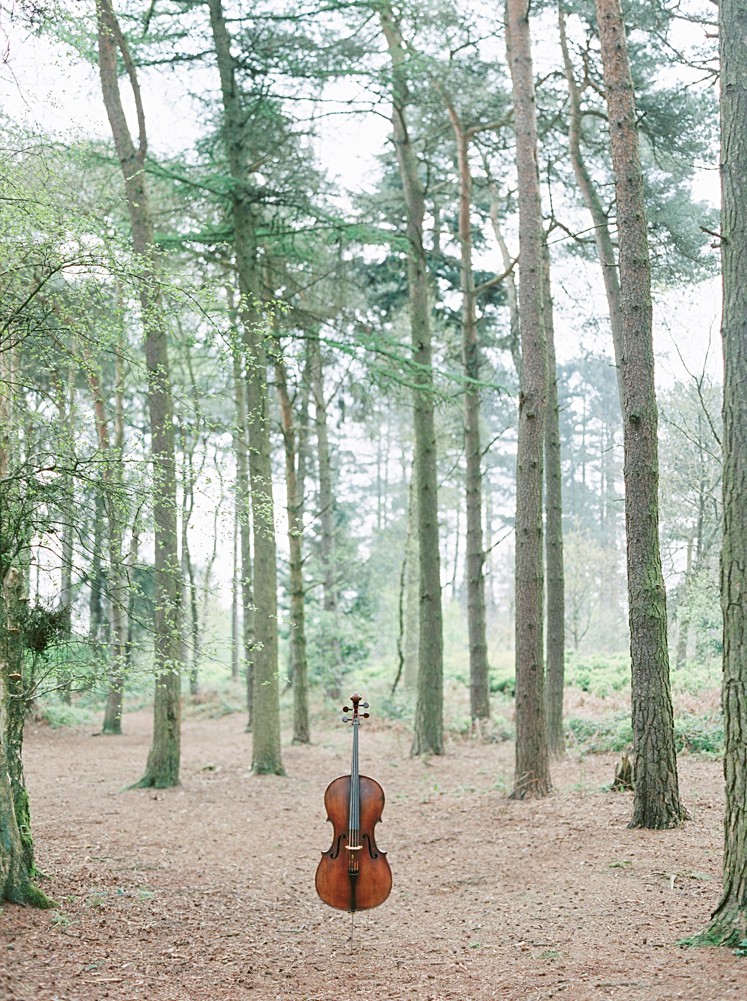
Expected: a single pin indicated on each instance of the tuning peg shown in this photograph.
(365, 706)
(365, 715)
(346, 709)
(345, 719)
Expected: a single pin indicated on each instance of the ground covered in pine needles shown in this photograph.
(205, 892)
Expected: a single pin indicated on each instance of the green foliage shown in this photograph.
(700, 734)
(57, 714)
(696, 734)
(596, 736)
(598, 674)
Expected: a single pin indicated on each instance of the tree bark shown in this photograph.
(657, 800)
(532, 774)
(162, 768)
(729, 922)
(266, 756)
(428, 736)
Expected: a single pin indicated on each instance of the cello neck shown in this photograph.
(354, 813)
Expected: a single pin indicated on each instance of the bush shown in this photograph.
(613, 733)
(700, 734)
(695, 734)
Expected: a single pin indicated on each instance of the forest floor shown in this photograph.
(206, 892)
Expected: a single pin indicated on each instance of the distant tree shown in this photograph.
(471, 360)
(332, 652)
(691, 485)
(294, 508)
(110, 436)
(657, 800)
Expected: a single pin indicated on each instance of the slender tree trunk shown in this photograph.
(294, 507)
(189, 601)
(428, 736)
(96, 572)
(266, 757)
(478, 644)
(532, 775)
(683, 612)
(116, 510)
(243, 503)
(412, 587)
(65, 392)
(657, 800)
(191, 621)
(332, 655)
(555, 643)
(729, 922)
(236, 638)
(162, 768)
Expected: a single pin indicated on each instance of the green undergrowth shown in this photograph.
(693, 734)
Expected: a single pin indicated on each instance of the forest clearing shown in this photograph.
(206, 890)
(373, 344)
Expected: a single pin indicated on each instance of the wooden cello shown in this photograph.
(354, 874)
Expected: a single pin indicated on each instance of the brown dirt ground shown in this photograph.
(206, 892)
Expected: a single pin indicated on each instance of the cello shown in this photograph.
(353, 874)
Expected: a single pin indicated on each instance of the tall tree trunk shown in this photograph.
(332, 651)
(294, 507)
(657, 800)
(555, 643)
(532, 775)
(162, 768)
(729, 922)
(428, 736)
(266, 757)
(478, 644)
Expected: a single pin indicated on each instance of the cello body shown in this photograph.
(353, 874)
